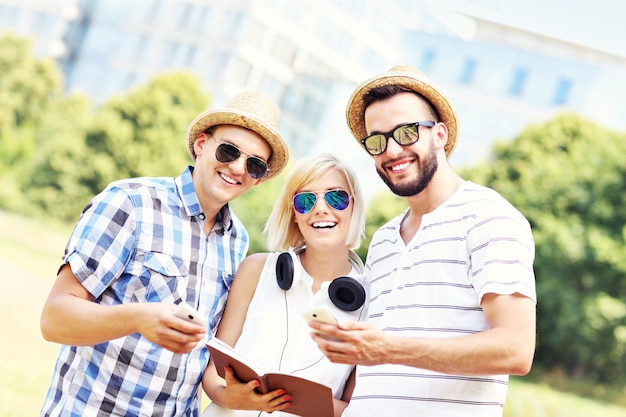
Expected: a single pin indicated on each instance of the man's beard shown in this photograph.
(407, 188)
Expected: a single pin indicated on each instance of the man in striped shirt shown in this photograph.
(142, 246)
(451, 281)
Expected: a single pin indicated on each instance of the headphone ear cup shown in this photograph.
(284, 271)
(346, 293)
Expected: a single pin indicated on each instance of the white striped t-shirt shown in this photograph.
(475, 243)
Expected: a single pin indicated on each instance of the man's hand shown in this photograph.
(158, 324)
(350, 342)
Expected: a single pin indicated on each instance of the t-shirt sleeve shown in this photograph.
(502, 252)
(103, 240)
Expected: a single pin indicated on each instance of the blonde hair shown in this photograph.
(282, 232)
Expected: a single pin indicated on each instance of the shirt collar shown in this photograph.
(187, 193)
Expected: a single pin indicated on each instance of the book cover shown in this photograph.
(308, 398)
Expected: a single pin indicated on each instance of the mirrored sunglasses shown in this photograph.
(227, 152)
(404, 135)
(336, 199)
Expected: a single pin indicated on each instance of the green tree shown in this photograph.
(28, 88)
(254, 207)
(568, 176)
(56, 181)
(144, 132)
(141, 134)
(26, 83)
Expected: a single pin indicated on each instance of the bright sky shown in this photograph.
(594, 23)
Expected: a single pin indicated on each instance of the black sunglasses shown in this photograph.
(404, 135)
(305, 201)
(227, 152)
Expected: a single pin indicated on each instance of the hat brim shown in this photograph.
(355, 111)
(211, 118)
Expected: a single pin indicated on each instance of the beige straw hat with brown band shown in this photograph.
(412, 79)
(252, 111)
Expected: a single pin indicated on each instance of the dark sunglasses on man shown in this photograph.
(404, 135)
(227, 152)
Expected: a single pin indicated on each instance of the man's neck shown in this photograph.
(443, 185)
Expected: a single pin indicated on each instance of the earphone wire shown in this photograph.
(282, 353)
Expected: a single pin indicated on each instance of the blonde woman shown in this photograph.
(316, 222)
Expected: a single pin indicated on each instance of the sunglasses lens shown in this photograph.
(403, 135)
(375, 144)
(256, 167)
(226, 152)
(304, 202)
(406, 135)
(337, 199)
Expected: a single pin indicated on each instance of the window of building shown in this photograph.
(217, 64)
(335, 37)
(427, 60)
(518, 81)
(269, 86)
(192, 57)
(42, 25)
(562, 91)
(167, 53)
(135, 48)
(128, 11)
(370, 60)
(182, 13)
(233, 24)
(353, 7)
(9, 15)
(468, 71)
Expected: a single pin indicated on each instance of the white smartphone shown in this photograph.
(187, 312)
(320, 313)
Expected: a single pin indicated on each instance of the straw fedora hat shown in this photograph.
(252, 111)
(412, 79)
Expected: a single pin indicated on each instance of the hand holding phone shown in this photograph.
(187, 312)
(320, 313)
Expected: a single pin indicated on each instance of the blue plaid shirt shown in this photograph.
(141, 240)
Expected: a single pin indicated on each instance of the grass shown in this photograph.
(30, 253)
(29, 257)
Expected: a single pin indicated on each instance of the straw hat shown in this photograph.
(412, 79)
(251, 111)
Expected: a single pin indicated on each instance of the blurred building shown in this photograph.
(309, 55)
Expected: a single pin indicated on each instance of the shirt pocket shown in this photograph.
(164, 279)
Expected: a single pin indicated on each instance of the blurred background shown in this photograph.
(92, 91)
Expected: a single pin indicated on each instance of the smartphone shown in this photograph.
(187, 312)
(320, 313)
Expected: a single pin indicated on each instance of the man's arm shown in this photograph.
(71, 317)
(507, 347)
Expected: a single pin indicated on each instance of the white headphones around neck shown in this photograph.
(345, 292)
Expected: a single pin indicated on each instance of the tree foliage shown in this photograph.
(26, 83)
(568, 176)
(144, 132)
(141, 134)
(27, 87)
(254, 207)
